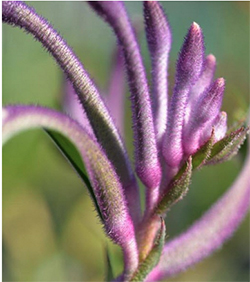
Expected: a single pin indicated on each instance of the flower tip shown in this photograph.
(196, 31)
(191, 58)
(195, 27)
(221, 82)
(211, 59)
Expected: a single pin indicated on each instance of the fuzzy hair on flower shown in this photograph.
(175, 131)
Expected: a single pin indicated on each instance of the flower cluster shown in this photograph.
(172, 137)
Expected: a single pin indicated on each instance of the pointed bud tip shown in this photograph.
(195, 27)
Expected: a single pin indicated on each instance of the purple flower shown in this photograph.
(171, 138)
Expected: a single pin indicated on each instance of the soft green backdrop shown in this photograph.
(50, 231)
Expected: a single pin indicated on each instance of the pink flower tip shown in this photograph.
(211, 59)
(195, 27)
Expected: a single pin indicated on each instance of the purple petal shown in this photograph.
(159, 43)
(189, 67)
(208, 233)
(207, 109)
(146, 158)
(202, 84)
(106, 184)
(220, 128)
(19, 14)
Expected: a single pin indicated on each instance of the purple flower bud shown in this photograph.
(189, 67)
(201, 85)
(206, 110)
(220, 128)
(191, 58)
(159, 43)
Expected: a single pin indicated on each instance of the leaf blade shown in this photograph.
(72, 156)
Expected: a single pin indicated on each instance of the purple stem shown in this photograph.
(19, 14)
(146, 159)
(105, 182)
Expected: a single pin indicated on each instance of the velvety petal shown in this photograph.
(19, 14)
(159, 43)
(202, 84)
(107, 187)
(146, 157)
(220, 128)
(189, 67)
(207, 109)
(208, 233)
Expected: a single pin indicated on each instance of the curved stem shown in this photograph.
(19, 14)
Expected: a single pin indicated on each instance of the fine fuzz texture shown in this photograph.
(208, 233)
(189, 67)
(207, 108)
(159, 44)
(107, 187)
(19, 14)
(146, 155)
(172, 139)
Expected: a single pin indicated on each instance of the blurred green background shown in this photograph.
(50, 229)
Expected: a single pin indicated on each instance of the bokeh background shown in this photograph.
(50, 229)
